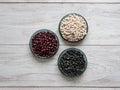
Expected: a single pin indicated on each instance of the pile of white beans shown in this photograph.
(73, 27)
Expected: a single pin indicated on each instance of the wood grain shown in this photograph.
(19, 68)
(18, 21)
(59, 89)
(88, 1)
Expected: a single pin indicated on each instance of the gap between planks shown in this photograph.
(54, 88)
(64, 1)
(69, 44)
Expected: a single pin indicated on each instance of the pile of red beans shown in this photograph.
(44, 44)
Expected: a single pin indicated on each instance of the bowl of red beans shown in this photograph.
(44, 43)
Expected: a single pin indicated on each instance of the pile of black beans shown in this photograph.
(72, 62)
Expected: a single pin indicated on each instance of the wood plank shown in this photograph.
(19, 68)
(88, 1)
(18, 21)
(59, 88)
(117, 88)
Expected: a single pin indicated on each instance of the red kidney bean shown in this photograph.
(44, 44)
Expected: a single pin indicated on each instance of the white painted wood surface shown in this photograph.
(18, 21)
(88, 1)
(60, 89)
(19, 68)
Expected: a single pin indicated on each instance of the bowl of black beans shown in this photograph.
(72, 62)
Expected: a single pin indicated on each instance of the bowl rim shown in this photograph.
(84, 56)
(60, 25)
(36, 32)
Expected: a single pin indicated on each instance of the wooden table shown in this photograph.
(19, 19)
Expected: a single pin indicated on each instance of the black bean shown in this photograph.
(71, 62)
